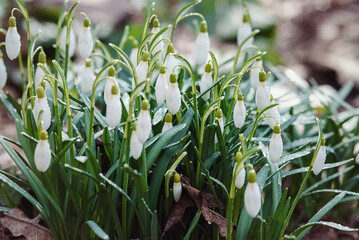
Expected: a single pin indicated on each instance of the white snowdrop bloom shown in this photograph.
(254, 73)
(262, 94)
(202, 45)
(206, 82)
(41, 106)
(114, 107)
(241, 172)
(177, 187)
(319, 160)
(244, 30)
(98, 60)
(252, 195)
(157, 43)
(173, 95)
(144, 125)
(72, 42)
(219, 117)
(239, 112)
(42, 153)
(161, 86)
(3, 72)
(141, 70)
(87, 78)
(12, 40)
(275, 145)
(171, 61)
(85, 40)
(274, 115)
(135, 144)
(39, 73)
(110, 82)
(168, 122)
(133, 53)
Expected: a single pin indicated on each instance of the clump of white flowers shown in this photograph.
(319, 160)
(252, 195)
(275, 145)
(173, 95)
(161, 86)
(206, 82)
(202, 45)
(3, 72)
(87, 78)
(39, 73)
(114, 107)
(141, 70)
(219, 118)
(12, 40)
(41, 110)
(144, 125)
(239, 112)
(85, 40)
(177, 187)
(42, 153)
(135, 144)
(239, 173)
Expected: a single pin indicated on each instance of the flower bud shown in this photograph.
(41, 106)
(173, 95)
(206, 82)
(135, 145)
(168, 122)
(141, 70)
(144, 126)
(244, 30)
(72, 42)
(275, 145)
(239, 112)
(252, 195)
(241, 172)
(12, 40)
(219, 117)
(3, 72)
(42, 153)
(114, 107)
(85, 40)
(87, 78)
(161, 86)
(177, 187)
(319, 160)
(262, 94)
(254, 73)
(202, 45)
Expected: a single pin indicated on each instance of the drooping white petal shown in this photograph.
(206, 82)
(42, 155)
(12, 43)
(240, 178)
(275, 147)
(98, 60)
(87, 79)
(173, 98)
(158, 43)
(39, 74)
(202, 47)
(41, 104)
(166, 126)
(273, 112)
(161, 88)
(254, 74)
(319, 160)
(141, 71)
(221, 126)
(135, 145)
(133, 56)
(170, 63)
(3, 74)
(239, 114)
(72, 42)
(108, 86)
(252, 199)
(144, 125)
(244, 30)
(177, 191)
(113, 110)
(262, 95)
(85, 42)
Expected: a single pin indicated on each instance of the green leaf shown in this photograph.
(328, 224)
(193, 225)
(106, 139)
(97, 230)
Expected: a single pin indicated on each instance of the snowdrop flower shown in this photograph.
(168, 122)
(110, 82)
(39, 73)
(3, 72)
(158, 43)
(254, 73)
(171, 61)
(239, 112)
(275, 145)
(241, 172)
(273, 113)
(173, 95)
(42, 154)
(177, 187)
(98, 60)
(87, 78)
(244, 30)
(72, 41)
(85, 40)
(161, 86)
(114, 107)
(12, 40)
(252, 195)
(133, 53)
(202, 45)
(141, 70)
(219, 117)
(135, 144)
(41, 110)
(144, 125)
(206, 82)
(262, 94)
(319, 160)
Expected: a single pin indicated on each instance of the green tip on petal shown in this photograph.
(170, 48)
(43, 135)
(12, 21)
(87, 22)
(322, 142)
(163, 69)
(240, 97)
(203, 27)
(134, 126)
(276, 129)
(238, 156)
(114, 89)
(271, 97)
(156, 23)
(88, 63)
(145, 56)
(173, 78)
(208, 68)
(145, 105)
(219, 113)
(177, 178)
(134, 43)
(252, 176)
(168, 118)
(262, 76)
(42, 57)
(43, 84)
(111, 71)
(1, 54)
(40, 92)
(246, 18)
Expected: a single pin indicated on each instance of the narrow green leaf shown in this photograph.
(328, 224)
(193, 225)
